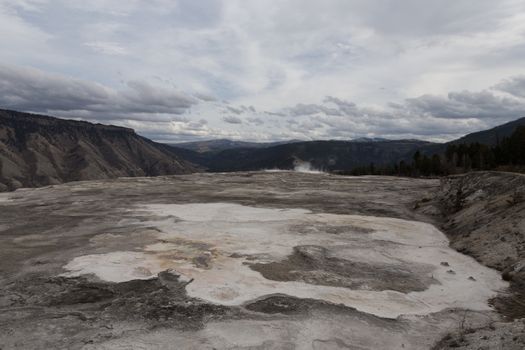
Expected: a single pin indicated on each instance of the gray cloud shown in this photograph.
(255, 120)
(241, 109)
(310, 109)
(345, 107)
(276, 114)
(33, 90)
(142, 97)
(389, 68)
(514, 86)
(416, 18)
(205, 97)
(234, 110)
(428, 116)
(232, 120)
(29, 89)
(466, 104)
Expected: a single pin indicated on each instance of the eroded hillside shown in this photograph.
(38, 150)
(483, 214)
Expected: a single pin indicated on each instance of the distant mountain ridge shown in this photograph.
(491, 136)
(217, 145)
(322, 155)
(369, 139)
(37, 150)
(330, 155)
(224, 144)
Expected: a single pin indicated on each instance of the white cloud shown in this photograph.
(108, 48)
(392, 68)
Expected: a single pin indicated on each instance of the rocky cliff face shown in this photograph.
(38, 150)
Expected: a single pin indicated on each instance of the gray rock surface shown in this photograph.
(483, 213)
(43, 229)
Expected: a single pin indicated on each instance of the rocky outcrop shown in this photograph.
(483, 214)
(37, 150)
(484, 217)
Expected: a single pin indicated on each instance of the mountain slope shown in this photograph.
(38, 150)
(492, 136)
(224, 144)
(488, 137)
(325, 155)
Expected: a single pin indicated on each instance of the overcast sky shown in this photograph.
(262, 70)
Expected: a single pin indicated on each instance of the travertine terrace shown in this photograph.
(265, 260)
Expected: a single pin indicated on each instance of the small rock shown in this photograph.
(444, 263)
(508, 274)
(471, 278)
(452, 272)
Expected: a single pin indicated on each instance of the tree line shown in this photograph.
(508, 155)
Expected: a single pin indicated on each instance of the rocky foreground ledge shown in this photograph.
(483, 214)
(183, 262)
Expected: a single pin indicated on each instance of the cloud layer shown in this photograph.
(33, 90)
(244, 69)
